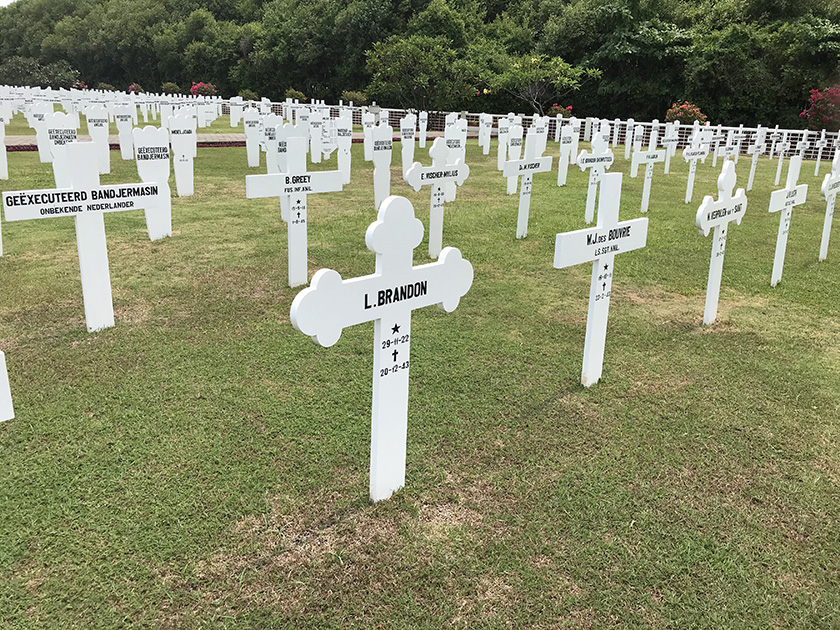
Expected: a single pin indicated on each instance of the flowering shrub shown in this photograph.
(823, 111)
(203, 89)
(559, 109)
(292, 93)
(79, 85)
(686, 113)
(358, 97)
(136, 88)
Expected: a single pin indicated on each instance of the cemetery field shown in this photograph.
(203, 464)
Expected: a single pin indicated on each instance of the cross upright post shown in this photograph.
(821, 144)
(784, 147)
(785, 200)
(436, 176)
(599, 245)
(718, 215)
(387, 297)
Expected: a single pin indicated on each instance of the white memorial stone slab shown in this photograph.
(387, 297)
(382, 145)
(86, 200)
(598, 161)
(566, 142)
(251, 125)
(235, 106)
(295, 185)
(785, 200)
(600, 245)
(503, 134)
(151, 150)
(423, 124)
(437, 176)
(718, 215)
(525, 169)
(182, 132)
(368, 123)
(408, 124)
(4, 163)
(344, 139)
(98, 130)
(830, 188)
(270, 123)
(316, 131)
(124, 118)
(7, 411)
(514, 152)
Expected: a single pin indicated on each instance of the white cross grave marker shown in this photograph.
(783, 147)
(821, 144)
(718, 215)
(785, 200)
(382, 145)
(670, 141)
(648, 158)
(60, 129)
(151, 148)
(316, 133)
(85, 200)
(387, 297)
(182, 131)
(598, 161)
(599, 245)
(774, 138)
(629, 131)
(830, 189)
(756, 149)
(437, 175)
(525, 168)
(573, 155)
(4, 163)
(804, 144)
(295, 185)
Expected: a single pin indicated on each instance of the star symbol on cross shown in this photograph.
(606, 267)
(395, 329)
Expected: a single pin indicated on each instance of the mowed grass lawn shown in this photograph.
(203, 464)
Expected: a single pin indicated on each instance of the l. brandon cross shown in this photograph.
(85, 200)
(436, 175)
(295, 185)
(599, 245)
(600, 159)
(718, 215)
(387, 297)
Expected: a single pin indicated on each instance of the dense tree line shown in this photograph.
(750, 61)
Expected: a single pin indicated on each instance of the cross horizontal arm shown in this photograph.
(279, 184)
(527, 166)
(331, 304)
(580, 246)
(40, 204)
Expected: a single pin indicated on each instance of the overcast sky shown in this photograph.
(3, 3)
